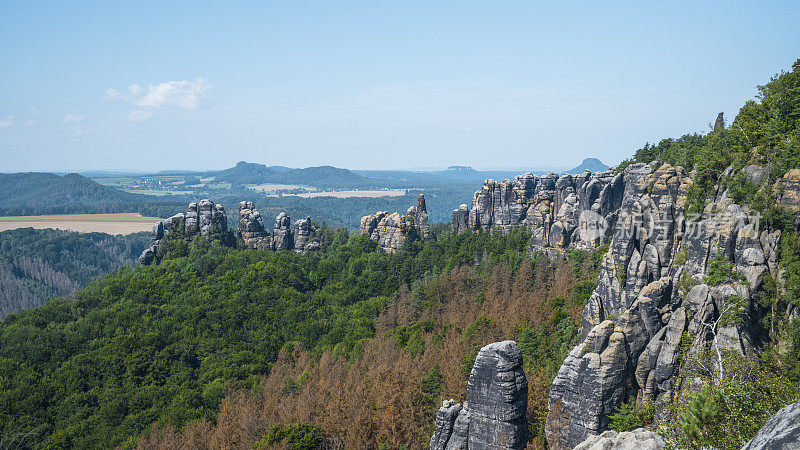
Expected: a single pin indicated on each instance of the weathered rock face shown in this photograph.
(639, 439)
(639, 312)
(494, 414)
(282, 236)
(460, 218)
(391, 230)
(791, 189)
(251, 227)
(304, 239)
(781, 432)
(567, 210)
(204, 218)
(299, 237)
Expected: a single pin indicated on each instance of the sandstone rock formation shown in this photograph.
(282, 236)
(251, 227)
(639, 439)
(790, 184)
(204, 218)
(639, 312)
(494, 414)
(560, 209)
(299, 237)
(781, 432)
(391, 230)
(208, 220)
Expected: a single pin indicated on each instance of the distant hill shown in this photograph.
(320, 176)
(593, 164)
(35, 190)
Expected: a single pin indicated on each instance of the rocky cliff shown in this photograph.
(552, 205)
(208, 220)
(493, 415)
(204, 219)
(651, 297)
(652, 303)
(299, 236)
(391, 230)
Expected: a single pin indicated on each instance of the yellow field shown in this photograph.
(84, 223)
(350, 194)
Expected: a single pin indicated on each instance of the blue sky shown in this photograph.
(374, 84)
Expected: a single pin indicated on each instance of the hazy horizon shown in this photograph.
(365, 85)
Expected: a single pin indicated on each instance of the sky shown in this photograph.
(375, 84)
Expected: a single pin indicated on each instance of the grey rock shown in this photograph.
(445, 420)
(391, 230)
(304, 239)
(638, 439)
(282, 235)
(186, 226)
(494, 414)
(459, 219)
(780, 432)
(251, 227)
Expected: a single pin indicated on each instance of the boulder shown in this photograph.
(638, 439)
(781, 432)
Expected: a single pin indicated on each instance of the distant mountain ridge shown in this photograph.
(590, 164)
(38, 189)
(319, 176)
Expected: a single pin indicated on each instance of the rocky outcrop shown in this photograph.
(204, 218)
(251, 227)
(282, 235)
(568, 210)
(208, 220)
(299, 237)
(460, 218)
(640, 314)
(781, 432)
(789, 185)
(304, 238)
(494, 414)
(639, 439)
(391, 230)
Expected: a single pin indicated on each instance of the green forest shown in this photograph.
(37, 265)
(162, 343)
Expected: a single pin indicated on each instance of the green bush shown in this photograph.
(632, 415)
(301, 436)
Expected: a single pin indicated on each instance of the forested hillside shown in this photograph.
(164, 343)
(37, 265)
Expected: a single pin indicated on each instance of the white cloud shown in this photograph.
(12, 121)
(169, 94)
(73, 118)
(112, 94)
(139, 116)
(179, 94)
